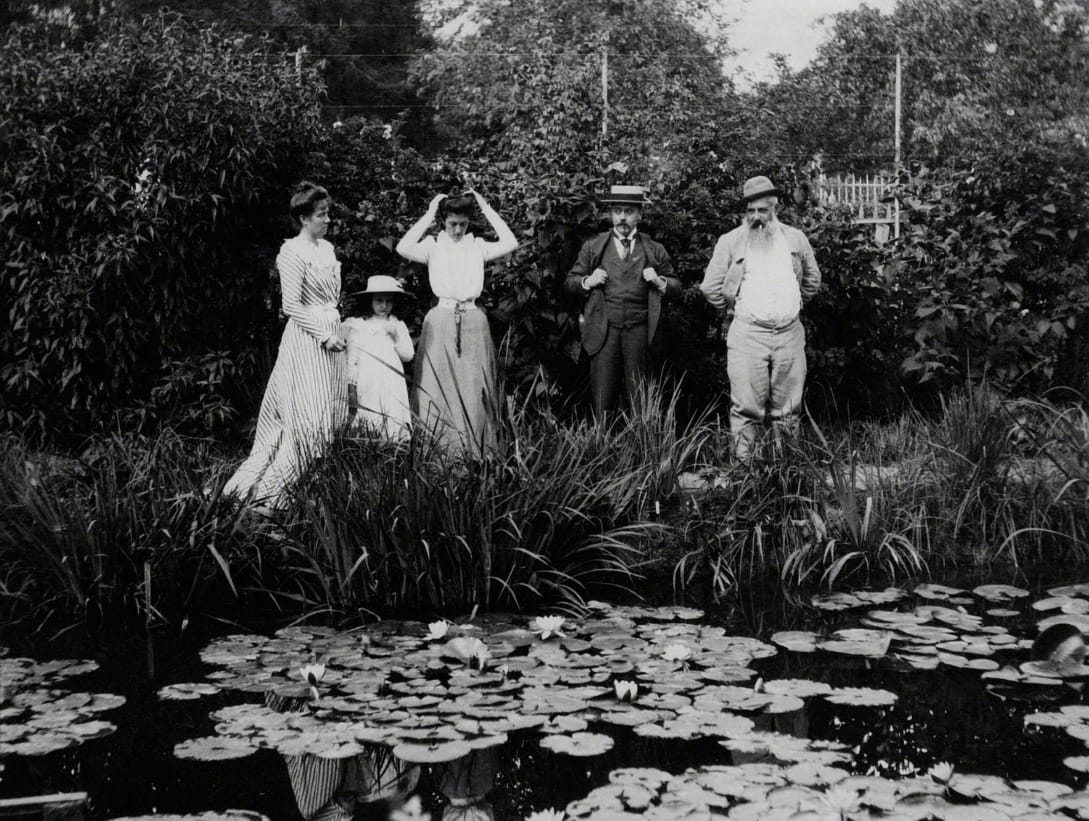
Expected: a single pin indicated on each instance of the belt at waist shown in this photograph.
(456, 304)
(745, 316)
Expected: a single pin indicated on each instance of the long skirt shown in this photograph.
(304, 404)
(454, 395)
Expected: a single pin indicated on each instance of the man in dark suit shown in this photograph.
(623, 274)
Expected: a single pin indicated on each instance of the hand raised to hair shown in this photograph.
(434, 205)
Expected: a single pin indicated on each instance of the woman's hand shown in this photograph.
(334, 343)
(433, 207)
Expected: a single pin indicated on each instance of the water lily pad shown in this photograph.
(1070, 590)
(938, 591)
(436, 753)
(1079, 763)
(213, 748)
(798, 641)
(187, 691)
(800, 687)
(999, 593)
(578, 744)
(861, 697)
(226, 815)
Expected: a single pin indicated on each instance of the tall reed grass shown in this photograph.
(126, 530)
(984, 480)
(556, 511)
(138, 527)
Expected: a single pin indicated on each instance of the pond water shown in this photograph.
(854, 711)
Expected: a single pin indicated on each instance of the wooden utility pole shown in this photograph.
(605, 87)
(896, 163)
(299, 62)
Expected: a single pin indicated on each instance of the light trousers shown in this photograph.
(767, 369)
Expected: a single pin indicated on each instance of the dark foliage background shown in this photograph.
(148, 162)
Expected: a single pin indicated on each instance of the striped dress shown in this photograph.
(306, 398)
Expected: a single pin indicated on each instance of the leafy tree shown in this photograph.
(529, 86)
(361, 47)
(977, 74)
(143, 183)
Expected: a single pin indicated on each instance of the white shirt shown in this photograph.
(617, 241)
(455, 270)
(769, 290)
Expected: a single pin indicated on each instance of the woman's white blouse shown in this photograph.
(455, 270)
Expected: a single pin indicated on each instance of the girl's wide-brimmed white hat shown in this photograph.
(382, 284)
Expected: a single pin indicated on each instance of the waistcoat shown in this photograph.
(625, 290)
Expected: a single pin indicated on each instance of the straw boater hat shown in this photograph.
(757, 187)
(626, 195)
(382, 284)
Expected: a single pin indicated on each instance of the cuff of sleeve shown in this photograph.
(585, 287)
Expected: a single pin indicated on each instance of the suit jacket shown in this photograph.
(722, 279)
(596, 325)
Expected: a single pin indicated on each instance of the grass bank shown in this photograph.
(136, 528)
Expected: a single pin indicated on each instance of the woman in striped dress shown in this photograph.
(454, 386)
(306, 398)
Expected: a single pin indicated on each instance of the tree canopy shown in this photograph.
(531, 84)
(977, 75)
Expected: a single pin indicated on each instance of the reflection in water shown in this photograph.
(331, 789)
(465, 783)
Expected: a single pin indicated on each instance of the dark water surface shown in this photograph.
(942, 715)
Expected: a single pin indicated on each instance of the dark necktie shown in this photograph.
(626, 243)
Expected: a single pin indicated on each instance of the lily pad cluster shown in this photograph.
(226, 815)
(38, 717)
(770, 791)
(943, 632)
(434, 693)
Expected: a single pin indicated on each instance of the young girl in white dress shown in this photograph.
(378, 347)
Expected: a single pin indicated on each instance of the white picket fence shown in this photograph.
(868, 196)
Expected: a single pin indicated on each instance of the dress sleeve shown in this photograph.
(316, 322)
(403, 343)
(416, 251)
(355, 346)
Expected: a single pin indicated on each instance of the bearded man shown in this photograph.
(762, 273)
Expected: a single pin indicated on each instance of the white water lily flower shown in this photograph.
(842, 801)
(481, 655)
(548, 626)
(312, 673)
(942, 772)
(473, 652)
(438, 629)
(411, 810)
(677, 652)
(626, 690)
(546, 815)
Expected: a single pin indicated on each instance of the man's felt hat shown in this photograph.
(382, 284)
(757, 187)
(626, 195)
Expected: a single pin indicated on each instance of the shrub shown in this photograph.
(143, 174)
(993, 261)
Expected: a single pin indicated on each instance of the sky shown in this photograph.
(789, 27)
